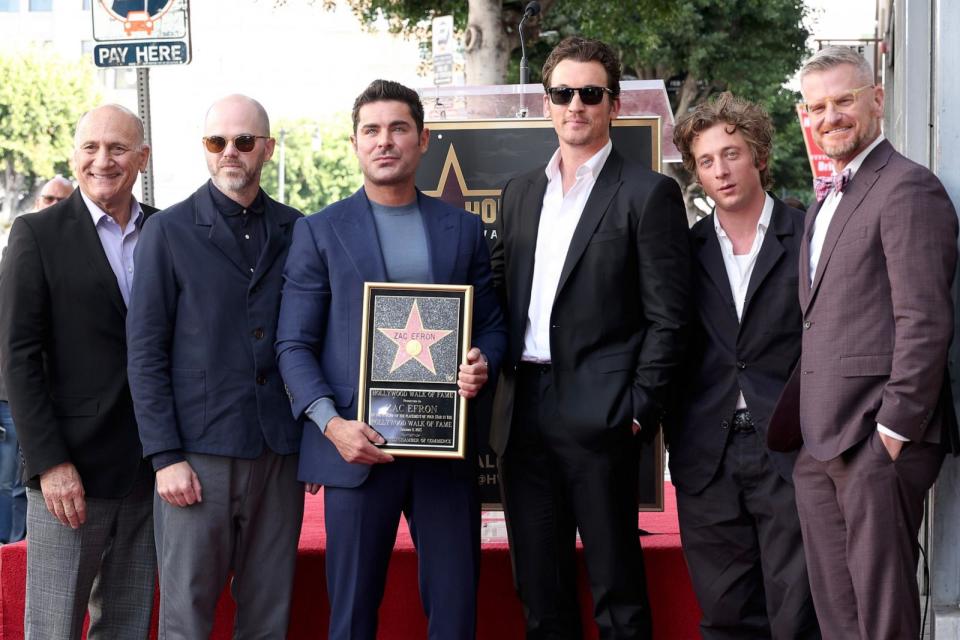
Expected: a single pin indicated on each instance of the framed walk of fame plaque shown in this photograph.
(415, 336)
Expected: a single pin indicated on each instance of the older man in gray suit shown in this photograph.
(876, 267)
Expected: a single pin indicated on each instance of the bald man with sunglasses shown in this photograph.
(212, 411)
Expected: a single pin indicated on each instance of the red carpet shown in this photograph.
(675, 611)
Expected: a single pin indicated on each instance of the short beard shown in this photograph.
(234, 183)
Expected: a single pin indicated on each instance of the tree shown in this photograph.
(320, 167)
(750, 47)
(41, 98)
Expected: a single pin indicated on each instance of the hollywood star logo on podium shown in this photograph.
(414, 341)
(452, 186)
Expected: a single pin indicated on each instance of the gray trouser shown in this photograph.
(108, 562)
(248, 523)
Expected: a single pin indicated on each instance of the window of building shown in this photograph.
(41, 5)
(9, 6)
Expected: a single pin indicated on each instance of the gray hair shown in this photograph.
(141, 137)
(834, 56)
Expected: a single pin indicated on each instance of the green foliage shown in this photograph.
(749, 47)
(41, 98)
(321, 167)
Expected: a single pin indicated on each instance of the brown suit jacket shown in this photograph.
(878, 317)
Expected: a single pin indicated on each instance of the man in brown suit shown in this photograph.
(876, 266)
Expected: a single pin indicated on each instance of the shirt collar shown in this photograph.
(229, 207)
(762, 224)
(98, 214)
(854, 164)
(592, 166)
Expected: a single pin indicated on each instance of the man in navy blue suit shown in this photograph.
(209, 400)
(386, 231)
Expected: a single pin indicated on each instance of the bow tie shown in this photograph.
(823, 185)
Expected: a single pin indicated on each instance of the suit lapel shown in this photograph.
(89, 243)
(608, 182)
(853, 195)
(710, 257)
(528, 225)
(804, 275)
(278, 222)
(206, 215)
(771, 251)
(440, 226)
(357, 232)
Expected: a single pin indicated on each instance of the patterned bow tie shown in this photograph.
(823, 185)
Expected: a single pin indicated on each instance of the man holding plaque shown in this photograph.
(387, 232)
(593, 261)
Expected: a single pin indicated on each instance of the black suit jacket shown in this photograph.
(64, 351)
(755, 354)
(620, 311)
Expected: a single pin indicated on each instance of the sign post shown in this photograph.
(141, 34)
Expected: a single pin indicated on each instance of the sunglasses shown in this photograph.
(244, 143)
(588, 95)
(51, 199)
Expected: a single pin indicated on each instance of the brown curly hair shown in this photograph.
(750, 119)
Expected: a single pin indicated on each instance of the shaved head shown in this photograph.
(53, 191)
(231, 102)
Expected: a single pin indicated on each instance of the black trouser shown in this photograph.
(741, 538)
(554, 485)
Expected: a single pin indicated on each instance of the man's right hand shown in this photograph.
(179, 485)
(354, 440)
(63, 493)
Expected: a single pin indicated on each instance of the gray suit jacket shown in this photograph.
(878, 317)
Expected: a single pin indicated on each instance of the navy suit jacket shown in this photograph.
(201, 363)
(755, 354)
(318, 339)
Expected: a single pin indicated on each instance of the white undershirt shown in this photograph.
(740, 267)
(820, 226)
(559, 216)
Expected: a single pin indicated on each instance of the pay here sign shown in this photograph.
(140, 33)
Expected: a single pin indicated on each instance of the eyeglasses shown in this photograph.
(244, 143)
(588, 95)
(840, 103)
(51, 199)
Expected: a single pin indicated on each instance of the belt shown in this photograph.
(533, 368)
(742, 421)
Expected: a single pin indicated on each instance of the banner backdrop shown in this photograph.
(467, 164)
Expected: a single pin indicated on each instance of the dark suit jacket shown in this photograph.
(878, 318)
(318, 340)
(620, 310)
(202, 366)
(755, 354)
(64, 350)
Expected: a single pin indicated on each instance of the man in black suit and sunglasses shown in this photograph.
(593, 263)
(212, 412)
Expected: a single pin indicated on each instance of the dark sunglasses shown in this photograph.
(244, 143)
(588, 95)
(51, 199)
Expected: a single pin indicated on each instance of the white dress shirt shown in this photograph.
(820, 226)
(559, 216)
(117, 244)
(740, 267)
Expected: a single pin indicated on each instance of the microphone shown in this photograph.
(532, 9)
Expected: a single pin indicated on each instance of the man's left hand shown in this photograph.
(473, 375)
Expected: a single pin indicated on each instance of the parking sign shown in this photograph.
(141, 33)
